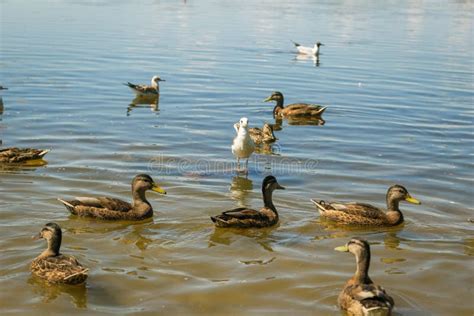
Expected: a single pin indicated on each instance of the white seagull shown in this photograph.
(243, 146)
(144, 90)
(314, 51)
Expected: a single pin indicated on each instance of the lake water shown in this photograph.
(397, 78)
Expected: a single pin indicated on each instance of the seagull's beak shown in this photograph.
(161, 80)
(158, 189)
(342, 248)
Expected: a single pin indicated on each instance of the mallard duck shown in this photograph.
(53, 266)
(295, 109)
(360, 295)
(260, 135)
(248, 218)
(143, 90)
(243, 145)
(365, 214)
(21, 155)
(115, 209)
(314, 51)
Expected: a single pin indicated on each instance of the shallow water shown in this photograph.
(398, 82)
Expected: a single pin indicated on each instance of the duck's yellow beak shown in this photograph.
(411, 199)
(158, 189)
(342, 248)
(268, 99)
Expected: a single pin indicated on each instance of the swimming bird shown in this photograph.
(243, 145)
(260, 135)
(314, 51)
(355, 213)
(53, 266)
(360, 296)
(21, 155)
(243, 217)
(116, 209)
(144, 90)
(295, 109)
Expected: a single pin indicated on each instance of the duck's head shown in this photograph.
(143, 182)
(357, 246)
(270, 184)
(51, 232)
(275, 96)
(244, 122)
(156, 80)
(268, 132)
(318, 44)
(400, 193)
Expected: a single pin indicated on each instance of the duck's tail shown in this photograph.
(321, 110)
(319, 205)
(68, 205)
(77, 278)
(43, 153)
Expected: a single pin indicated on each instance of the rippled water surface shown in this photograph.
(397, 78)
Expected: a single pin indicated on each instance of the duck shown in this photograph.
(243, 146)
(144, 90)
(243, 217)
(53, 266)
(294, 110)
(313, 51)
(260, 135)
(360, 296)
(356, 213)
(108, 208)
(21, 155)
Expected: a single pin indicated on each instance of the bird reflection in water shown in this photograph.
(50, 292)
(151, 102)
(305, 58)
(240, 190)
(227, 236)
(315, 121)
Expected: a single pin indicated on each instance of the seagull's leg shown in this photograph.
(247, 165)
(238, 164)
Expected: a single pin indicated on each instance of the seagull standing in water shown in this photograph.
(314, 51)
(243, 146)
(144, 90)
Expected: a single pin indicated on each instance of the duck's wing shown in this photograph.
(352, 208)
(372, 297)
(17, 155)
(60, 269)
(304, 109)
(105, 203)
(239, 217)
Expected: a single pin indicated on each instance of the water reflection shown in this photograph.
(227, 236)
(305, 58)
(147, 101)
(315, 121)
(240, 190)
(50, 292)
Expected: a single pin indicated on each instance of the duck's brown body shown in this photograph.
(116, 209)
(248, 218)
(355, 213)
(53, 266)
(295, 110)
(360, 296)
(59, 269)
(21, 155)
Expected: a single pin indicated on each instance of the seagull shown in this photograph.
(243, 146)
(144, 90)
(308, 50)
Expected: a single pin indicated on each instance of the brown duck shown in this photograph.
(295, 109)
(365, 214)
(243, 217)
(21, 155)
(260, 135)
(360, 296)
(116, 209)
(53, 266)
